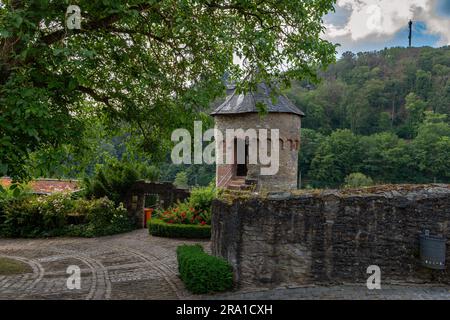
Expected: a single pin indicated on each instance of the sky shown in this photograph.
(366, 25)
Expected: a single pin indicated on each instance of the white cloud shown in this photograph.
(384, 18)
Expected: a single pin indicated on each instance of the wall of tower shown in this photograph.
(289, 126)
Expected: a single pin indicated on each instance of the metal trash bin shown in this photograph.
(432, 251)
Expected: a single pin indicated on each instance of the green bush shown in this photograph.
(195, 210)
(34, 216)
(102, 218)
(202, 273)
(60, 215)
(158, 227)
(201, 198)
(9, 194)
(357, 179)
(21, 218)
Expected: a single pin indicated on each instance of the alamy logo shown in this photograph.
(374, 281)
(74, 280)
(73, 17)
(235, 146)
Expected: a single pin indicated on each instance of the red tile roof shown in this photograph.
(47, 186)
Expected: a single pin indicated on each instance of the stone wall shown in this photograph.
(332, 236)
(289, 134)
(166, 192)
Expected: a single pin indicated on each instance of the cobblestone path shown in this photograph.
(345, 292)
(127, 266)
(137, 266)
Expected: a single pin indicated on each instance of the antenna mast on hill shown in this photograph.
(410, 32)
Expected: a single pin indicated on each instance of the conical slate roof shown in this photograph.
(239, 103)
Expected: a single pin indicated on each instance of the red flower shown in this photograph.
(203, 223)
(170, 221)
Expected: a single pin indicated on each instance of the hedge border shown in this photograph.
(201, 272)
(159, 228)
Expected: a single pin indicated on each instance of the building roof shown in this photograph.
(239, 103)
(47, 186)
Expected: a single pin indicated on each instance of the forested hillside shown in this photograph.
(384, 114)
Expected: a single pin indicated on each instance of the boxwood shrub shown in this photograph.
(157, 227)
(202, 273)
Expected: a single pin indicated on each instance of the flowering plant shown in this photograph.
(183, 213)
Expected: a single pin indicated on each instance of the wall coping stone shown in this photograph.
(410, 191)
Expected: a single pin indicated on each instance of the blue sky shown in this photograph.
(366, 25)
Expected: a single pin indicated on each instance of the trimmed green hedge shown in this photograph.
(202, 273)
(157, 227)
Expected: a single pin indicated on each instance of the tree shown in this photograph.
(337, 156)
(313, 107)
(181, 180)
(423, 83)
(310, 142)
(416, 113)
(382, 159)
(374, 91)
(384, 97)
(152, 64)
(115, 178)
(432, 148)
(358, 116)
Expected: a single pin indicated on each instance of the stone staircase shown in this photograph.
(237, 183)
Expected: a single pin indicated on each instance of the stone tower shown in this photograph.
(240, 111)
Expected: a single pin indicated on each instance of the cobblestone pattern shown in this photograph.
(345, 292)
(129, 266)
(138, 266)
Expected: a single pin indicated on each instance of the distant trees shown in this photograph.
(380, 91)
(415, 109)
(383, 114)
(384, 157)
(431, 148)
(336, 157)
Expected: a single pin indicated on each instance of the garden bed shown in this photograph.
(157, 227)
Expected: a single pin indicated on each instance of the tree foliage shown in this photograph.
(384, 157)
(383, 114)
(151, 64)
(114, 179)
(372, 92)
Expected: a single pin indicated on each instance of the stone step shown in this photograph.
(234, 187)
(238, 184)
(239, 188)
